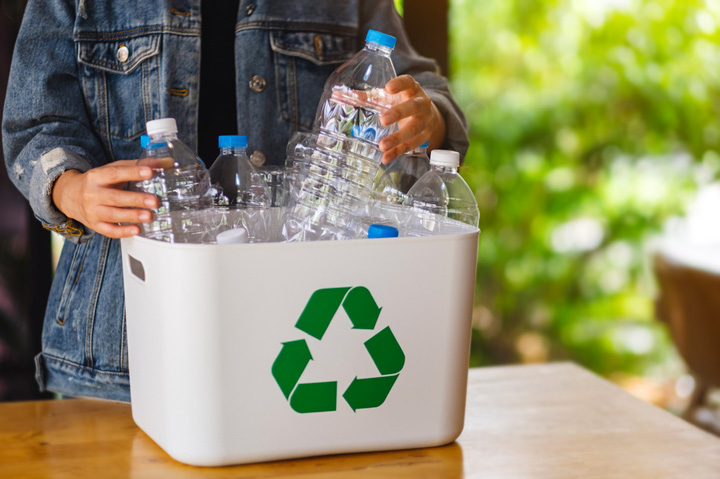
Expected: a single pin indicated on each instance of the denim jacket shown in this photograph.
(86, 77)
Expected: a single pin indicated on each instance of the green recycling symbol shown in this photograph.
(363, 393)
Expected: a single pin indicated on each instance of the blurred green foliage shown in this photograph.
(591, 122)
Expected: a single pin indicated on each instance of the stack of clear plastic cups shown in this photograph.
(181, 183)
(333, 168)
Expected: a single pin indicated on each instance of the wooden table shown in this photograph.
(545, 421)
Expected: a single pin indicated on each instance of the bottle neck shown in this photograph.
(379, 49)
(164, 136)
(419, 151)
(444, 169)
(233, 150)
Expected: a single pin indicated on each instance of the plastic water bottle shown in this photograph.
(397, 179)
(443, 191)
(333, 169)
(181, 183)
(354, 97)
(239, 184)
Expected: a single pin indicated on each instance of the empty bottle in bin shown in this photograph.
(397, 179)
(241, 195)
(238, 183)
(181, 183)
(444, 192)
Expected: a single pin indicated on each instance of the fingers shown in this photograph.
(403, 83)
(401, 142)
(415, 127)
(127, 199)
(113, 222)
(420, 106)
(112, 230)
(118, 172)
(109, 214)
(157, 163)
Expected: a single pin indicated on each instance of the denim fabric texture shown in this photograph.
(86, 77)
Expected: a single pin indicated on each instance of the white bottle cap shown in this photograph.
(447, 158)
(233, 236)
(163, 125)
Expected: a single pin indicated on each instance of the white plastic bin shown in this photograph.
(217, 345)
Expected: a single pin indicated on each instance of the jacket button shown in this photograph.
(249, 9)
(123, 54)
(319, 46)
(257, 83)
(257, 158)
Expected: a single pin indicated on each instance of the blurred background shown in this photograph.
(595, 144)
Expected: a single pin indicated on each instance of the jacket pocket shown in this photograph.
(120, 81)
(303, 62)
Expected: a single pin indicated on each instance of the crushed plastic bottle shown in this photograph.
(394, 183)
(181, 183)
(333, 169)
(444, 192)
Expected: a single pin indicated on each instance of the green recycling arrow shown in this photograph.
(290, 364)
(360, 306)
(368, 393)
(294, 357)
(319, 311)
(315, 397)
(385, 352)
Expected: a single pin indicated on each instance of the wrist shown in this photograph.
(60, 188)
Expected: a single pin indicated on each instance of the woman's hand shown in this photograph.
(418, 119)
(96, 198)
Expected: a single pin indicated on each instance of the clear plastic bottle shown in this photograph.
(397, 179)
(241, 195)
(354, 97)
(181, 183)
(443, 191)
(239, 183)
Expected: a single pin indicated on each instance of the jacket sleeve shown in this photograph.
(45, 128)
(381, 15)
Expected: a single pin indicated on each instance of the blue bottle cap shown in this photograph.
(144, 141)
(382, 231)
(380, 38)
(232, 141)
(425, 145)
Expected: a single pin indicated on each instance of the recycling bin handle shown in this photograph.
(136, 268)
